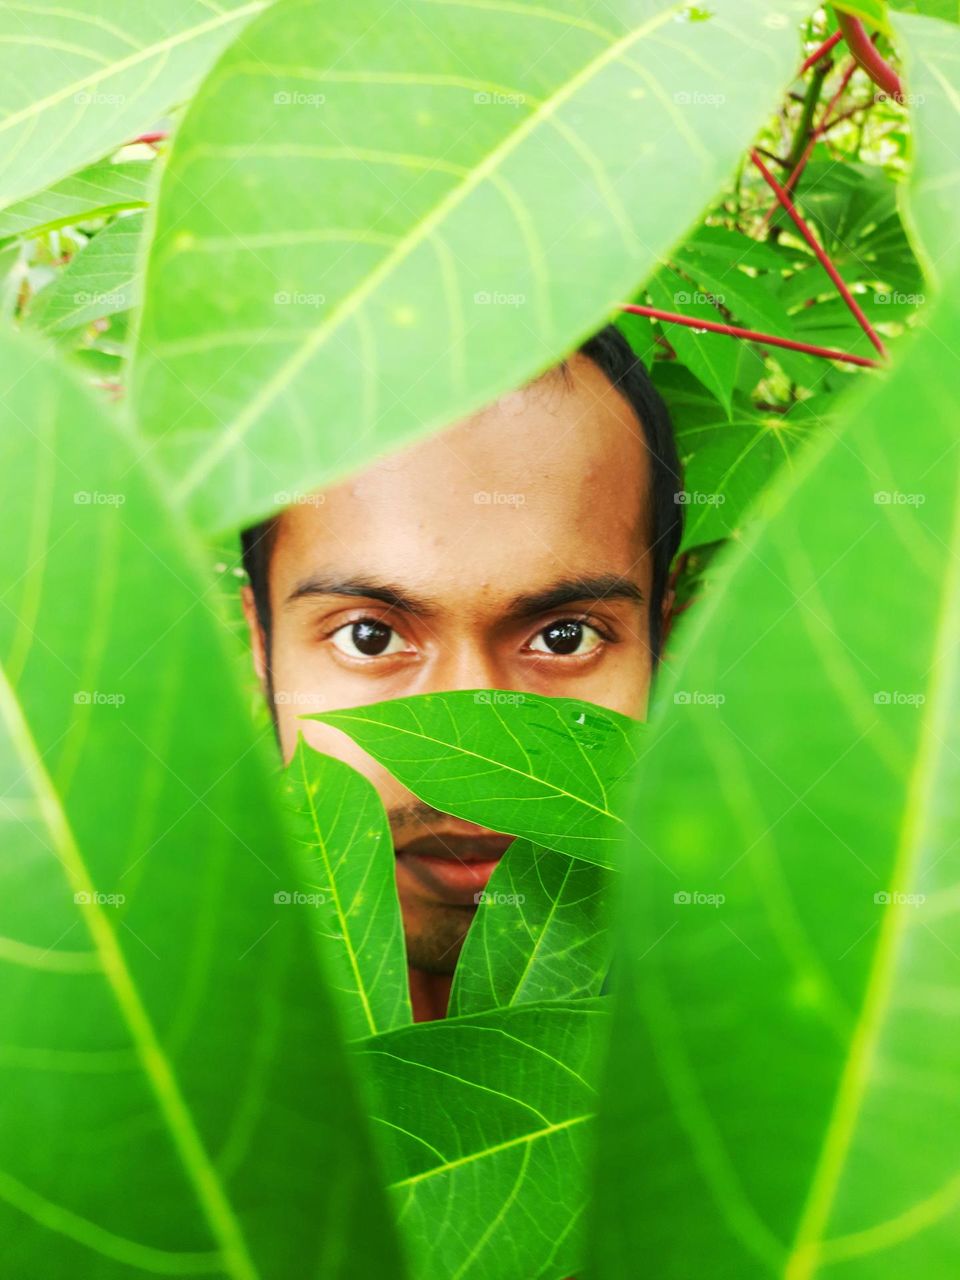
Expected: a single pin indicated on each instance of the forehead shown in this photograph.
(550, 480)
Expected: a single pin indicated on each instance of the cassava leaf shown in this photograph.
(490, 1114)
(350, 260)
(931, 52)
(546, 769)
(348, 867)
(101, 280)
(168, 1039)
(81, 77)
(540, 933)
(95, 192)
(786, 1039)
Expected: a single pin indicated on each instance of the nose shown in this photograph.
(468, 665)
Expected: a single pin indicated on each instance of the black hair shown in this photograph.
(612, 354)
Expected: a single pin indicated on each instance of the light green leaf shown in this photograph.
(100, 281)
(490, 1114)
(96, 192)
(348, 869)
(931, 200)
(710, 357)
(540, 933)
(546, 769)
(80, 78)
(873, 12)
(787, 1046)
(469, 158)
(168, 1038)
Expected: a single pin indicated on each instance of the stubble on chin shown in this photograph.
(435, 946)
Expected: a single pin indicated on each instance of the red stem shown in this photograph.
(865, 52)
(821, 254)
(149, 138)
(733, 331)
(821, 51)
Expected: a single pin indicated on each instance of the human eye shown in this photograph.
(368, 638)
(568, 637)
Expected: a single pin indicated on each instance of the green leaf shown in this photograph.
(433, 282)
(76, 81)
(540, 933)
(101, 280)
(710, 357)
(348, 869)
(546, 769)
(490, 1114)
(96, 192)
(727, 464)
(785, 1054)
(931, 53)
(872, 11)
(168, 1038)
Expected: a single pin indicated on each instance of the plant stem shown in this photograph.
(821, 254)
(734, 331)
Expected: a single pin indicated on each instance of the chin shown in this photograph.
(434, 946)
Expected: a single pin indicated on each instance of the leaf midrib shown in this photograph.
(804, 1261)
(201, 1173)
(227, 438)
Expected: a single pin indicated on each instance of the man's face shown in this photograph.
(510, 552)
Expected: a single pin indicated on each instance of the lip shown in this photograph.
(452, 869)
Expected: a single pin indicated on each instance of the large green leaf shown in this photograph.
(96, 192)
(81, 77)
(540, 933)
(486, 1123)
(349, 878)
(168, 1041)
(386, 213)
(931, 51)
(787, 1045)
(546, 769)
(101, 280)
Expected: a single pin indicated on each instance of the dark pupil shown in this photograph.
(371, 638)
(564, 637)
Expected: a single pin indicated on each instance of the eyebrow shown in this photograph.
(608, 586)
(367, 589)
